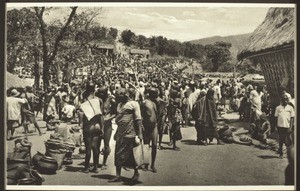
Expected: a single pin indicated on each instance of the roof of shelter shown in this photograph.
(276, 32)
(139, 51)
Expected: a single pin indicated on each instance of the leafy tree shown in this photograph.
(50, 49)
(141, 41)
(21, 33)
(113, 32)
(127, 37)
(161, 44)
(218, 53)
(173, 48)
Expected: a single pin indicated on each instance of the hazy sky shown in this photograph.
(181, 23)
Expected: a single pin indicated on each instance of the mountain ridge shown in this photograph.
(238, 42)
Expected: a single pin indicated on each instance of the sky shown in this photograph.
(183, 23)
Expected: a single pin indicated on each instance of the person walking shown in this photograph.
(109, 113)
(149, 116)
(28, 111)
(162, 115)
(175, 116)
(128, 134)
(14, 105)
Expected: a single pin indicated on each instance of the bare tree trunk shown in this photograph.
(48, 58)
(36, 69)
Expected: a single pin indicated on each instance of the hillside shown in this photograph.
(237, 41)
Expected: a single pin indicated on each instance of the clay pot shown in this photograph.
(82, 149)
(36, 158)
(58, 155)
(37, 176)
(47, 165)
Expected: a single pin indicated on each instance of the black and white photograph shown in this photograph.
(143, 96)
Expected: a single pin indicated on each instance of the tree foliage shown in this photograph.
(128, 37)
(219, 54)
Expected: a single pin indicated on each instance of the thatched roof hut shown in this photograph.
(272, 46)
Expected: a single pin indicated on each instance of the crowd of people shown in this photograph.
(145, 107)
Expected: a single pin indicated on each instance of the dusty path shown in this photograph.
(229, 164)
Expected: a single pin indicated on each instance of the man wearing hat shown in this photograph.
(13, 104)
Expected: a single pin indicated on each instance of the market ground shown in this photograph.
(229, 164)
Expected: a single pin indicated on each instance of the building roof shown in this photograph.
(139, 51)
(276, 32)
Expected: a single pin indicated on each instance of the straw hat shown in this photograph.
(14, 93)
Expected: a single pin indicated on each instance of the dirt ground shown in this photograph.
(218, 165)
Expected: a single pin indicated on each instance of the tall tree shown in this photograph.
(141, 41)
(49, 55)
(113, 32)
(127, 37)
(21, 33)
(219, 54)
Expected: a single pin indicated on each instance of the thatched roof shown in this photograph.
(139, 51)
(276, 32)
(15, 81)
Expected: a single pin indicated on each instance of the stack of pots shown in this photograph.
(44, 164)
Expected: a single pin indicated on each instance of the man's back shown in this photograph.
(14, 107)
(149, 113)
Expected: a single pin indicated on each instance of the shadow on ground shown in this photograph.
(73, 169)
(189, 142)
(125, 180)
(267, 156)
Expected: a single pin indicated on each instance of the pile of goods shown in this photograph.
(19, 166)
(59, 150)
(225, 132)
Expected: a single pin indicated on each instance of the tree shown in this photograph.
(21, 33)
(173, 48)
(113, 32)
(161, 44)
(127, 37)
(49, 55)
(218, 53)
(141, 41)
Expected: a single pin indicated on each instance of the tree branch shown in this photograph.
(61, 33)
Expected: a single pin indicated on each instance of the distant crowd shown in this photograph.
(152, 100)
